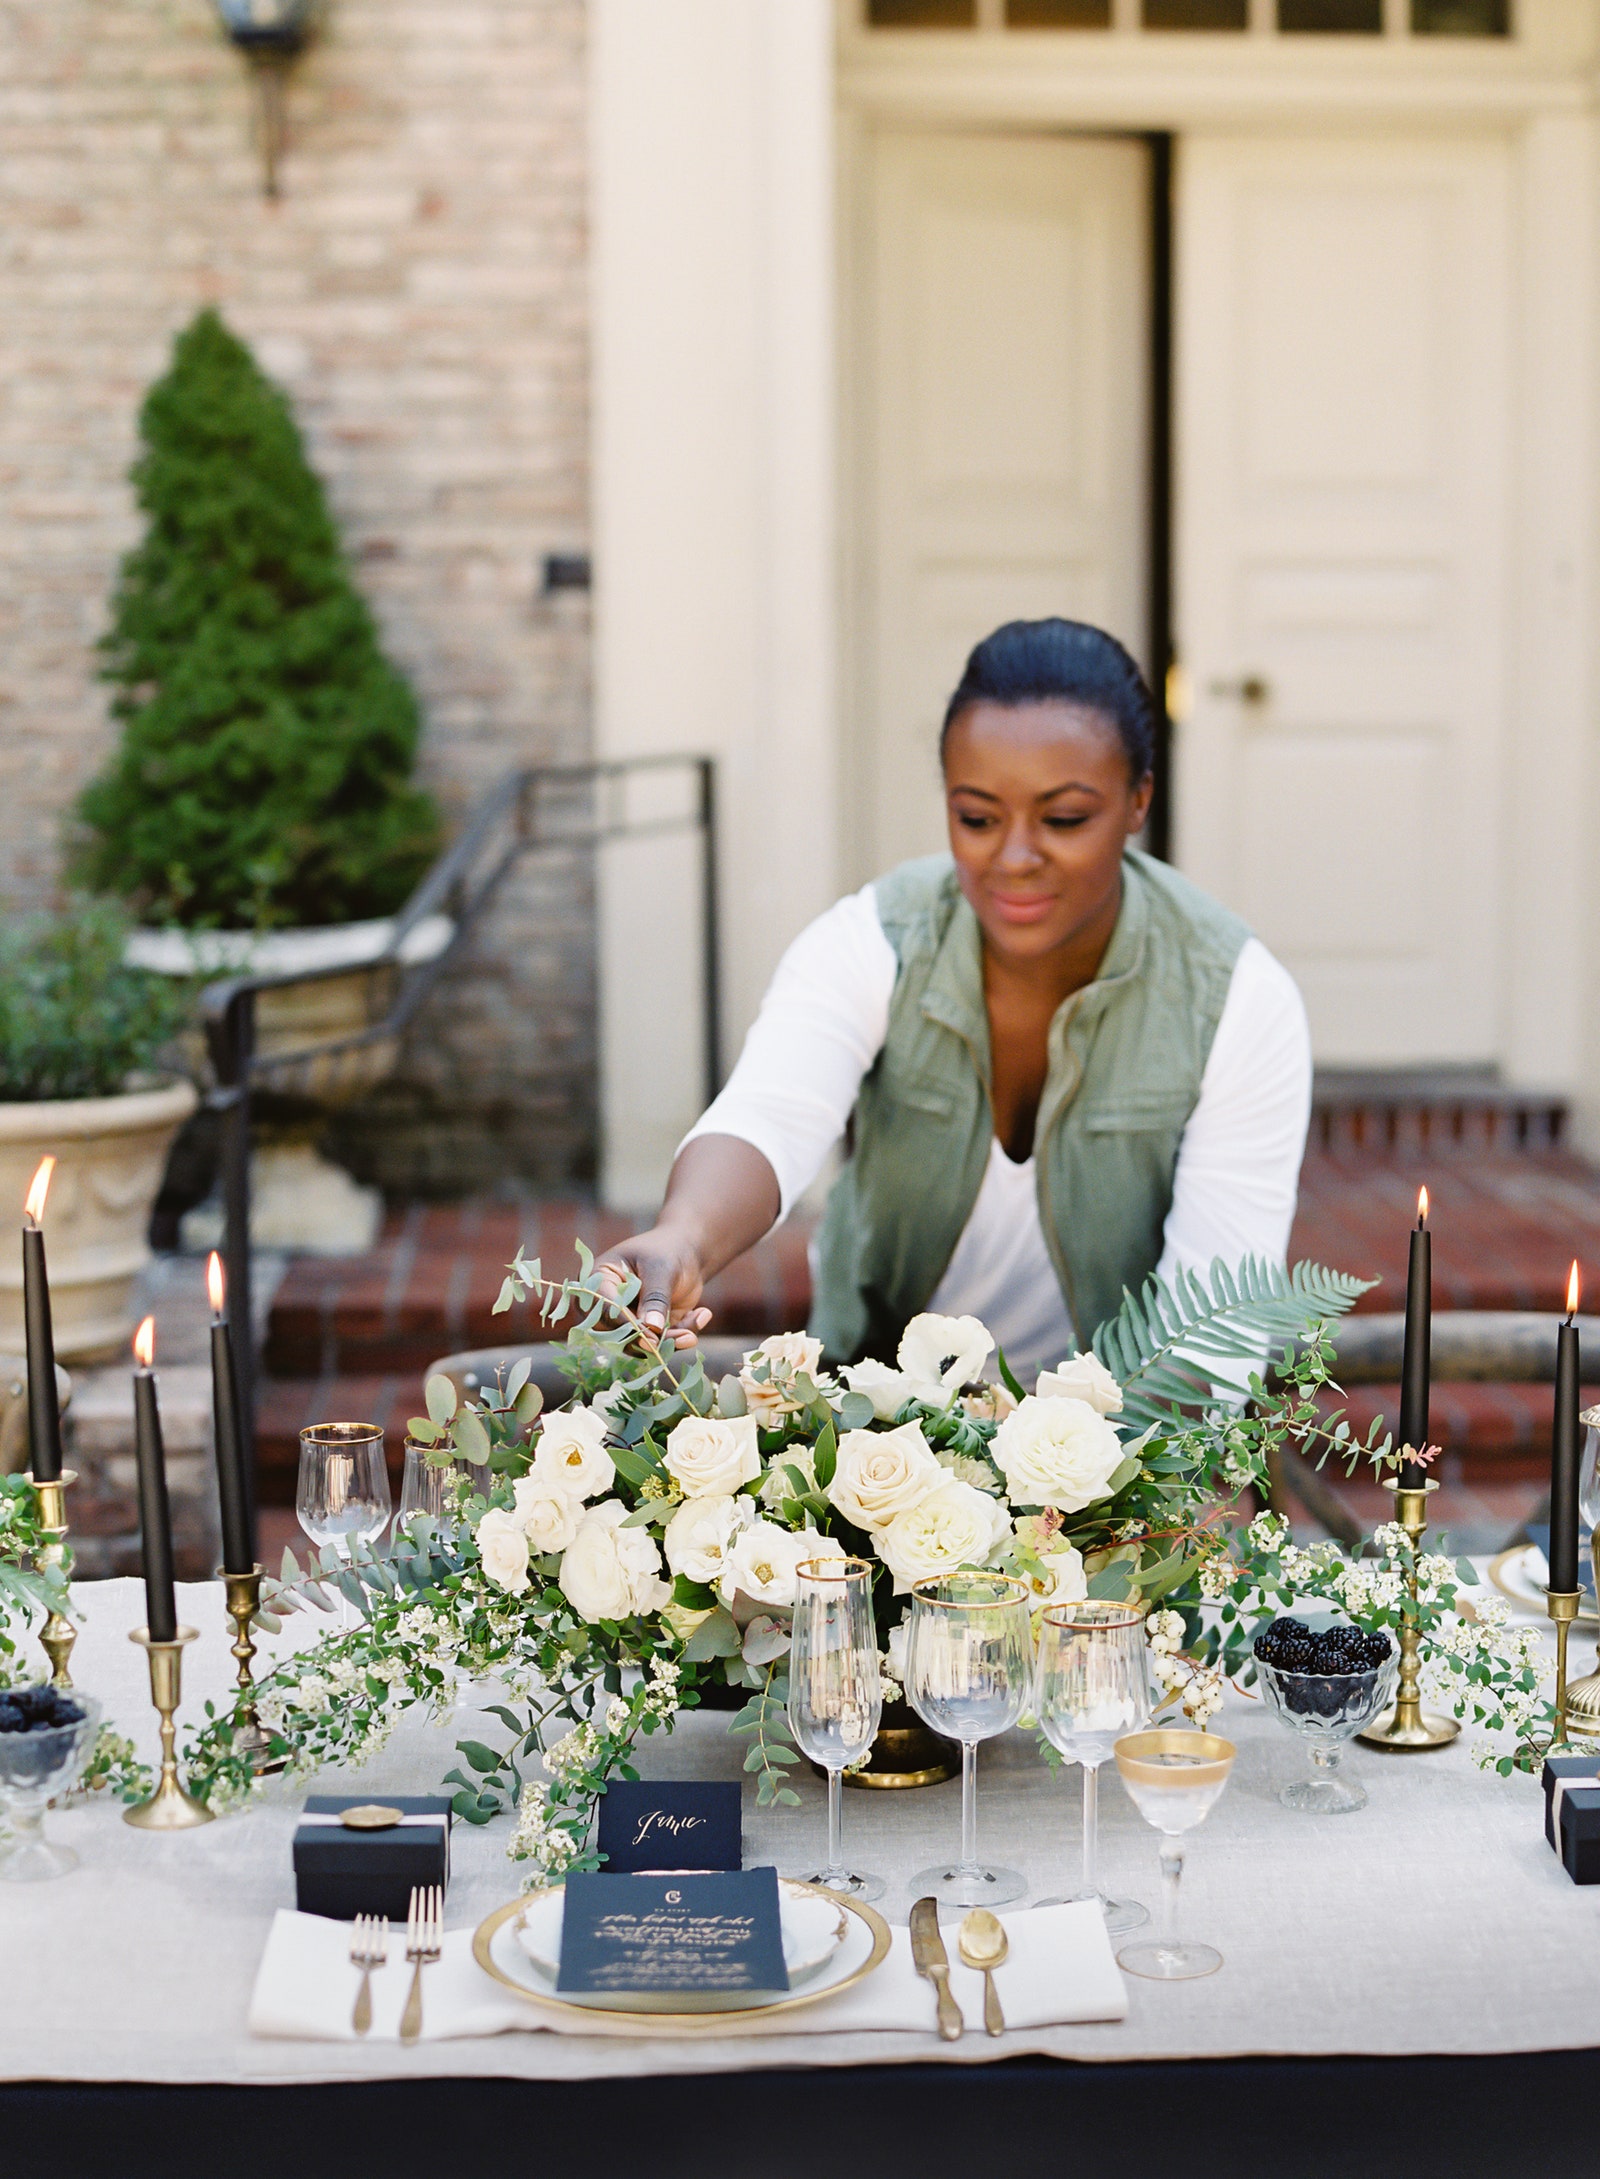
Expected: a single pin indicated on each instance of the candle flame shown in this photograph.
(215, 1284)
(1574, 1288)
(1422, 1206)
(144, 1343)
(39, 1190)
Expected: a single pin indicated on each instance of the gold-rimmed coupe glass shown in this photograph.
(428, 1487)
(1092, 1687)
(969, 1670)
(342, 1497)
(1174, 1779)
(835, 1694)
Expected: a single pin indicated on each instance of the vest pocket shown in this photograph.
(1137, 1115)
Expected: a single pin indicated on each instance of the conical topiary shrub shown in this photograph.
(263, 777)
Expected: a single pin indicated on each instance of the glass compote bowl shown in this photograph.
(1174, 1779)
(1326, 1709)
(37, 1764)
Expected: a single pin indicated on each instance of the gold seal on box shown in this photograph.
(371, 1816)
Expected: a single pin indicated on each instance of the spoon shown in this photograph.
(983, 1944)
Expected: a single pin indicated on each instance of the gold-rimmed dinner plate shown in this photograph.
(1513, 1576)
(497, 1952)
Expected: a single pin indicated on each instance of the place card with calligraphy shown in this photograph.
(641, 1934)
(670, 1823)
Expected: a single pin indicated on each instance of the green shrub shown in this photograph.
(74, 1022)
(263, 775)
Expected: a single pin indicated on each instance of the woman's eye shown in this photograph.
(972, 821)
(1067, 824)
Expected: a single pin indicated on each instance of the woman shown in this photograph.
(1062, 1065)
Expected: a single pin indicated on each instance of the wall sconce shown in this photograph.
(271, 34)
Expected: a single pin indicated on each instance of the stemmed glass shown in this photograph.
(1175, 1779)
(1092, 1686)
(343, 1492)
(835, 1698)
(36, 1767)
(426, 1487)
(969, 1667)
(1589, 1486)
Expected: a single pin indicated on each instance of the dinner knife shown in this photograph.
(930, 1958)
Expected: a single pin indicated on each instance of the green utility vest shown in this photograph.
(1126, 1055)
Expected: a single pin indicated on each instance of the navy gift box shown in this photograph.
(1572, 1813)
(341, 1873)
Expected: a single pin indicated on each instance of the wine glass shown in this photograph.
(343, 1492)
(1092, 1686)
(969, 1666)
(1174, 1779)
(1589, 1486)
(835, 1698)
(426, 1487)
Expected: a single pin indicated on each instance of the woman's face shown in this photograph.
(1040, 807)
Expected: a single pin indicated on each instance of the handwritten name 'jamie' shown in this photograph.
(662, 1819)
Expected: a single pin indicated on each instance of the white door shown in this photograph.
(1002, 433)
(1343, 314)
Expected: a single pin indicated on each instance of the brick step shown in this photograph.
(1439, 1113)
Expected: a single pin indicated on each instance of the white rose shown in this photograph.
(699, 1533)
(1085, 1378)
(884, 1387)
(940, 1354)
(777, 1484)
(571, 1453)
(787, 1355)
(1063, 1580)
(896, 1649)
(762, 1561)
(547, 1515)
(956, 1526)
(706, 1458)
(883, 1472)
(503, 1549)
(1056, 1452)
(612, 1572)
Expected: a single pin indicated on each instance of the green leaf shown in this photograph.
(471, 1437)
(1466, 1573)
(717, 1636)
(481, 1758)
(1110, 1584)
(855, 1412)
(441, 1398)
(694, 1596)
(1007, 1378)
(825, 1459)
(424, 1430)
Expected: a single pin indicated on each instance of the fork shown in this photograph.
(369, 1948)
(424, 1942)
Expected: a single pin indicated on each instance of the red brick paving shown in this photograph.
(353, 1337)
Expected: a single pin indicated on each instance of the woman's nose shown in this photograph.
(1017, 849)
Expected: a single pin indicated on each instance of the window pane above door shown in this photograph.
(1461, 18)
(1331, 15)
(922, 14)
(1196, 14)
(1058, 14)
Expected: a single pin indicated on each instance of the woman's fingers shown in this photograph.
(669, 1286)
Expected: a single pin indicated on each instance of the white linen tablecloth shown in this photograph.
(1435, 1920)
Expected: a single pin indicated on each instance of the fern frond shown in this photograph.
(1159, 1342)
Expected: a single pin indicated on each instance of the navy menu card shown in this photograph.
(670, 1824)
(627, 1935)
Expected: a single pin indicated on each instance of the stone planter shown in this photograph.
(111, 1153)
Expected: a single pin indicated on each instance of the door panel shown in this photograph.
(1003, 431)
(1342, 315)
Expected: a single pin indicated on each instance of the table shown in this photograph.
(1435, 1927)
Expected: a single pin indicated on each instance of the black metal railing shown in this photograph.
(540, 809)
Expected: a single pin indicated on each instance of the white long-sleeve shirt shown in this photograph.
(823, 1023)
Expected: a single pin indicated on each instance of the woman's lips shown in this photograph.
(1022, 907)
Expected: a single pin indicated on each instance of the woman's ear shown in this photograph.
(1139, 803)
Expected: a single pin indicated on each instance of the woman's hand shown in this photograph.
(722, 1197)
(670, 1281)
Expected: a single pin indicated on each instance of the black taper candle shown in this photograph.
(1416, 1363)
(237, 1556)
(1564, 1442)
(155, 1515)
(44, 1410)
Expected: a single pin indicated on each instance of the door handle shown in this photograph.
(1252, 688)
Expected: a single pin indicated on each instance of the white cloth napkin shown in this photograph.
(1061, 1969)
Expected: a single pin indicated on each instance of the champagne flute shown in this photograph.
(835, 1698)
(343, 1491)
(969, 1667)
(1091, 1687)
(1175, 1779)
(1589, 1486)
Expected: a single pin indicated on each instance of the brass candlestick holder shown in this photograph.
(244, 1601)
(1406, 1725)
(1562, 1605)
(1582, 1721)
(58, 1633)
(169, 1808)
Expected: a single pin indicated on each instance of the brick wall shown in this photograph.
(420, 290)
